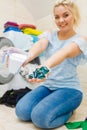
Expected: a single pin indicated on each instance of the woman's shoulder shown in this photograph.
(82, 37)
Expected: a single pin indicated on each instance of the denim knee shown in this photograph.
(21, 112)
(39, 118)
(42, 119)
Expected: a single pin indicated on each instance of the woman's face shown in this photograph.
(63, 18)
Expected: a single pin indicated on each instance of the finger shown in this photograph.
(32, 80)
(25, 63)
(41, 80)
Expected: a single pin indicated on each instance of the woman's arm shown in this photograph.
(68, 51)
(36, 49)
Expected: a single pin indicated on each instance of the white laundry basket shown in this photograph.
(15, 62)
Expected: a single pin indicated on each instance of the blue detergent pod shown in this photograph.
(31, 76)
(44, 69)
(41, 76)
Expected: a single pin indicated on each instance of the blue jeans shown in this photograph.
(48, 109)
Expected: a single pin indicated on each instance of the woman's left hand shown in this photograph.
(39, 75)
(36, 80)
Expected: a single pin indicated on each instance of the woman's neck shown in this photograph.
(66, 35)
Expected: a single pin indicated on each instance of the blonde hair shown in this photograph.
(73, 8)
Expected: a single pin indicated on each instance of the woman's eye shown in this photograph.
(66, 15)
(56, 17)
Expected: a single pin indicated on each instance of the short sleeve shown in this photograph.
(82, 43)
(45, 35)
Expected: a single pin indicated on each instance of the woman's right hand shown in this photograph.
(25, 62)
(29, 58)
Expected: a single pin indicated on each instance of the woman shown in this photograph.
(51, 104)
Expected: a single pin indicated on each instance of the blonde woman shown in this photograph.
(51, 104)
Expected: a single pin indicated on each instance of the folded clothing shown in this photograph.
(21, 26)
(9, 23)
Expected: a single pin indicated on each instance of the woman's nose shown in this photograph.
(61, 19)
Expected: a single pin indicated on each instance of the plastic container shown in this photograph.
(15, 62)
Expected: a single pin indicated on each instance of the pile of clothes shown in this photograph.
(11, 97)
(21, 34)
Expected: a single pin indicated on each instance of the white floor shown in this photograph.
(9, 121)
